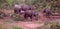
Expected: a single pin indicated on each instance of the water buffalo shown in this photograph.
(23, 7)
(17, 8)
(47, 12)
(31, 14)
(27, 7)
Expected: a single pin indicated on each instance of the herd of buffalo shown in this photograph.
(28, 11)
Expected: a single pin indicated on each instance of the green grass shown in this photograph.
(16, 27)
(58, 25)
(0, 26)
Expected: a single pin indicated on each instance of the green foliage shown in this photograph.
(40, 3)
(56, 0)
(9, 2)
(6, 3)
(2, 1)
(29, 2)
(44, 5)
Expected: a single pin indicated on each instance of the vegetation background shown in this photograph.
(38, 4)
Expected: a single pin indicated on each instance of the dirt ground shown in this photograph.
(8, 24)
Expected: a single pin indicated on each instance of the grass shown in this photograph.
(58, 25)
(38, 28)
(17, 27)
(0, 26)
